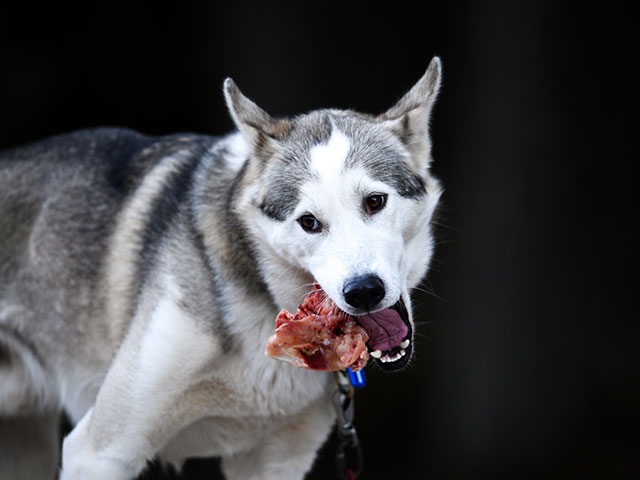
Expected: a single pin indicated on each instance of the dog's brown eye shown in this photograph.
(375, 203)
(310, 224)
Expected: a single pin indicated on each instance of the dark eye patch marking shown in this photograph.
(280, 200)
(395, 172)
(289, 168)
(382, 159)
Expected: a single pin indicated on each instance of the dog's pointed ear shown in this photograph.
(409, 118)
(257, 126)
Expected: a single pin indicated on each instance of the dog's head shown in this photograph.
(345, 199)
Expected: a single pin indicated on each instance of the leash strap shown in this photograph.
(349, 452)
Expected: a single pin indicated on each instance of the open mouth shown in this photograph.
(390, 335)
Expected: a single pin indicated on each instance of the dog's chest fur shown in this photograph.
(247, 394)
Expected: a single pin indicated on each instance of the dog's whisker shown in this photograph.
(444, 225)
(429, 292)
(427, 322)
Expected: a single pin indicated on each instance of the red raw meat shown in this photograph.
(319, 336)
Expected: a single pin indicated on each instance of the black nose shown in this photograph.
(364, 292)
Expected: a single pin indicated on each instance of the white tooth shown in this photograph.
(376, 354)
(403, 353)
(405, 344)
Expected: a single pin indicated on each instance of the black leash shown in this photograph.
(349, 453)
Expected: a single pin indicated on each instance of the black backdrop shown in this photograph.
(527, 357)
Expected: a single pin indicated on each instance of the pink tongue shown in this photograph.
(385, 328)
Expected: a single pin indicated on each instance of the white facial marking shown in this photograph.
(328, 159)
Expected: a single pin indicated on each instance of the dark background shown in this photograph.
(527, 363)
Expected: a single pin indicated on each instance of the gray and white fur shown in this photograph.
(140, 279)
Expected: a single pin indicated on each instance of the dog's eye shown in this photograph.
(375, 203)
(310, 224)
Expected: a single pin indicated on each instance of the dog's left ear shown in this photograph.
(409, 118)
(258, 127)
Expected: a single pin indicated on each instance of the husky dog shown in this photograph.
(140, 279)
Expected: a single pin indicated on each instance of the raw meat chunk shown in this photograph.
(319, 336)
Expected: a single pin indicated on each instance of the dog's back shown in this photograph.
(59, 204)
(57, 198)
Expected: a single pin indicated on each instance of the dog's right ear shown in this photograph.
(409, 117)
(258, 127)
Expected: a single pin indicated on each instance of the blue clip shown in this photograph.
(357, 379)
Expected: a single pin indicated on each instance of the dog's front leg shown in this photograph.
(140, 404)
(289, 452)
